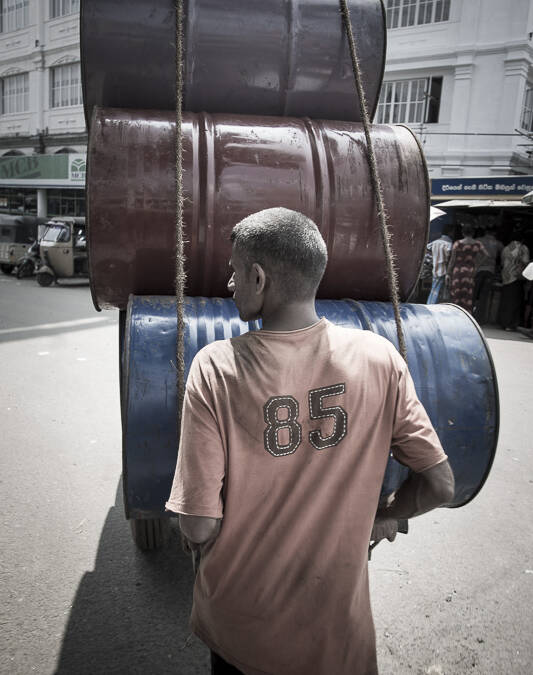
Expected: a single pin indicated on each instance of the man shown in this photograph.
(485, 271)
(286, 434)
(515, 257)
(440, 251)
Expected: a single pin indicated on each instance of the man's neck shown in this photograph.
(293, 316)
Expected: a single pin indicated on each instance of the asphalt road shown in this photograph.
(454, 596)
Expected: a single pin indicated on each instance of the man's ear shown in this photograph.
(259, 277)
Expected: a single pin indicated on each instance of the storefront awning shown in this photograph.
(436, 213)
(483, 203)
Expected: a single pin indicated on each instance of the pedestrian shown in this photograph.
(486, 270)
(515, 257)
(527, 328)
(440, 252)
(462, 268)
(286, 432)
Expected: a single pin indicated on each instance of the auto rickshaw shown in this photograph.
(17, 234)
(63, 251)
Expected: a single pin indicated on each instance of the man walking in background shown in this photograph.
(440, 251)
(485, 271)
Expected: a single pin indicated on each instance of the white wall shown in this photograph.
(485, 57)
(44, 43)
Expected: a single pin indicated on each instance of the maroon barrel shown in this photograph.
(234, 166)
(275, 57)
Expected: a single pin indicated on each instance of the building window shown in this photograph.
(402, 13)
(410, 101)
(18, 200)
(66, 203)
(15, 94)
(63, 7)
(66, 85)
(527, 111)
(14, 15)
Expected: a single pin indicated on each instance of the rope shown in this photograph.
(180, 258)
(392, 276)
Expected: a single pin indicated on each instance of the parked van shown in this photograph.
(17, 234)
(63, 251)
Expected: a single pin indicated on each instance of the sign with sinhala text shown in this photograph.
(505, 187)
(65, 170)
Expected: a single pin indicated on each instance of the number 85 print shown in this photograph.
(317, 411)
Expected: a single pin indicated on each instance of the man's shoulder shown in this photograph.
(214, 350)
(365, 342)
(373, 347)
(440, 243)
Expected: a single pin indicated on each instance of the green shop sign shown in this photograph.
(43, 170)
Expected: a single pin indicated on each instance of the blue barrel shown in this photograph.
(448, 358)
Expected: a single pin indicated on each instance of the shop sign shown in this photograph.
(505, 187)
(43, 170)
(77, 168)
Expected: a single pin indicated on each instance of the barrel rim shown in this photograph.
(125, 402)
(496, 408)
(383, 59)
(428, 202)
(88, 181)
(83, 59)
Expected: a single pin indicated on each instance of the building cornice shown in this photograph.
(432, 57)
(50, 140)
(464, 71)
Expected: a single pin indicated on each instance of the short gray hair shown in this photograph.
(288, 245)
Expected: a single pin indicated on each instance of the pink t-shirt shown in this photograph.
(286, 436)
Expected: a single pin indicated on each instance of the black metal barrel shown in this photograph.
(264, 57)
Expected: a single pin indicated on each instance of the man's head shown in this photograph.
(467, 229)
(278, 256)
(448, 230)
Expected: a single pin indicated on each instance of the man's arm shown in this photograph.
(196, 494)
(420, 493)
(451, 265)
(199, 529)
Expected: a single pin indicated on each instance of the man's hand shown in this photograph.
(384, 528)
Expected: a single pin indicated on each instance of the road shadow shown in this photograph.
(29, 332)
(130, 615)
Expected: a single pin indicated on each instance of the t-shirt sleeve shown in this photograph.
(200, 469)
(414, 440)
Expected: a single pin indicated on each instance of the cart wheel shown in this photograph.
(150, 534)
(6, 269)
(44, 279)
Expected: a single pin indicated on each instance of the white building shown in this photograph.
(43, 138)
(460, 74)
